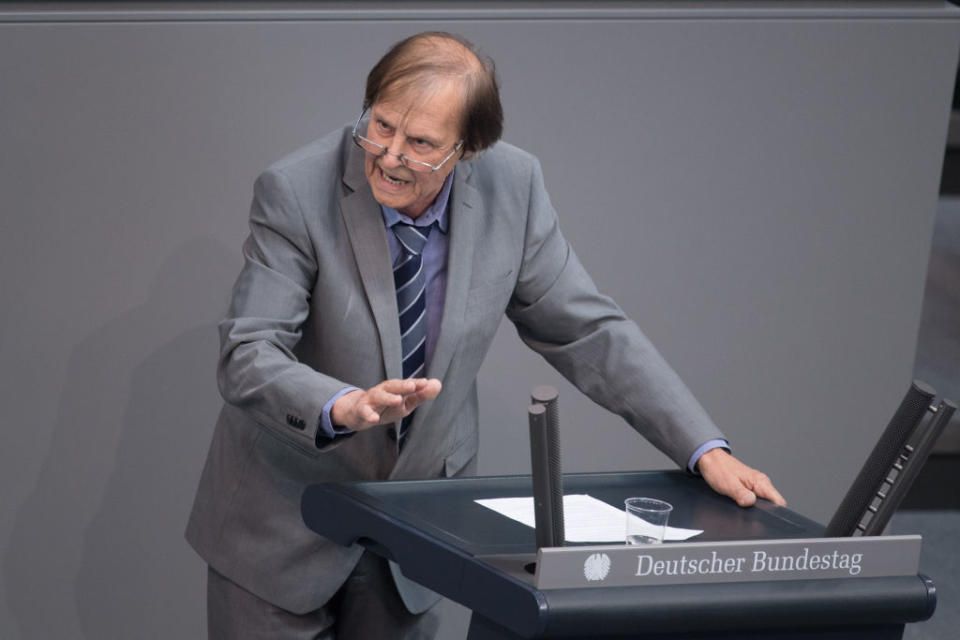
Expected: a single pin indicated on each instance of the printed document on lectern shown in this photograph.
(585, 519)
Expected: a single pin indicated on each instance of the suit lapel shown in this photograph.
(465, 215)
(368, 237)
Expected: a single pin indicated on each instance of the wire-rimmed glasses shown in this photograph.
(378, 149)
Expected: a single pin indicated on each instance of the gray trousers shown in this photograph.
(367, 606)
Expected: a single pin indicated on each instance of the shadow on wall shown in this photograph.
(97, 551)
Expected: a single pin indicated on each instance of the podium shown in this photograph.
(443, 540)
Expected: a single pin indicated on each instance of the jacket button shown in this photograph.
(392, 433)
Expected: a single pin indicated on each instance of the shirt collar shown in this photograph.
(436, 212)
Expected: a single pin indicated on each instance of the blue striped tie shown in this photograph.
(411, 285)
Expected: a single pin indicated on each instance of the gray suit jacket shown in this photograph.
(314, 310)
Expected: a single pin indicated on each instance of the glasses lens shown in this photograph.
(369, 141)
(360, 137)
(369, 145)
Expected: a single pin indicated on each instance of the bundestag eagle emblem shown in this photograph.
(596, 567)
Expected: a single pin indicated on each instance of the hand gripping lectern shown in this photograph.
(444, 540)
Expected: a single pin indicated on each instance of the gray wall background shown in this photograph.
(755, 187)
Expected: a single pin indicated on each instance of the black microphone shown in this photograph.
(545, 467)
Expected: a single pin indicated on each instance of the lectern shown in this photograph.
(442, 539)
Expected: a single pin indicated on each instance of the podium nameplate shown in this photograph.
(733, 561)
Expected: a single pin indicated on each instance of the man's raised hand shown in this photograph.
(384, 403)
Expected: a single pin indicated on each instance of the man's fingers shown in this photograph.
(384, 403)
(427, 391)
(430, 387)
(367, 414)
(744, 497)
(764, 488)
(732, 478)
(398, 386)
(737, 489)
(383, 399)
(756, 484)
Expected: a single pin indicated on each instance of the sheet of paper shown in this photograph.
(585, 519)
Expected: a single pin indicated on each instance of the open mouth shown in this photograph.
(392, 180)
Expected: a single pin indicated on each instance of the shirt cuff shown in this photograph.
(716, 443)
(327, 432)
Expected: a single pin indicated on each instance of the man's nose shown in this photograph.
(390, 158)
(394, 152)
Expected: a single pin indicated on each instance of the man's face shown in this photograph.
(422, 126)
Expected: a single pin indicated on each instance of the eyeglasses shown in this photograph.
(406, 160)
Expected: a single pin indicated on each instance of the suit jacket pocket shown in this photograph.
(297, 445)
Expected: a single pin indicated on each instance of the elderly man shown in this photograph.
(380, 261)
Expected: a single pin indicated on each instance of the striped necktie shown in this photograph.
(411, 285)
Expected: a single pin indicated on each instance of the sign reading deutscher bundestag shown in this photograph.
(737, 561)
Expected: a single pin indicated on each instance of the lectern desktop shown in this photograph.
(442, 539)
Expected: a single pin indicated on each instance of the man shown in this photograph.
(380, 261)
